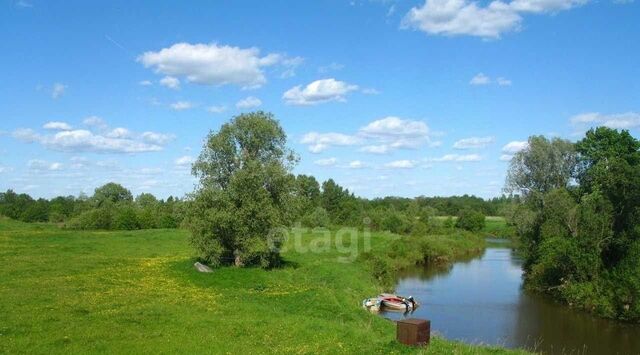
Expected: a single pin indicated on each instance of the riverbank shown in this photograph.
(132, 292)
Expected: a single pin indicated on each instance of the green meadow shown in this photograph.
(138, 292)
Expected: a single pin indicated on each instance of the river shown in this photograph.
(480, 300)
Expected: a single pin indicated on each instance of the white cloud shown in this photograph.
(506, 157)
(5, 169)
(480, 79)
(462, 17)
(326, 162)
(401, 164)
(457, 158)
(216, 109)
(181, 105)
(319, 91)
(378, 137)
(392, 133)
(170, 82)
(184, 161)
(356, 164)
(119, 133)
(57, 126)
(319, 142)
(157, 138)
(213, 64)
(95, 122)
(41, 165)
(145, 83)
(473, 142)
(118, 140)
(514, 147)
(58, 90)
(625, 120)
(248, 103)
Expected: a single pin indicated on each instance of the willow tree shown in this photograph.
(244, 192)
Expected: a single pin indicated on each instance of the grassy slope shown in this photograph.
(137, 292)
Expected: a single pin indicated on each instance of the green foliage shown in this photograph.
(543, 166)
(111, 192)
(246, 192)
(317, 218)
(470, 220)
(581, 243)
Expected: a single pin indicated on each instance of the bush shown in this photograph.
(126, 219)
(319, 217)
(470, 220)
(99, 218)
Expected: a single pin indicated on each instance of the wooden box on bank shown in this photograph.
(413, 331)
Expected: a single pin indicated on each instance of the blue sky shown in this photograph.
(422, 97)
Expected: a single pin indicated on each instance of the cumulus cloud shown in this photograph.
(326, 162)
(401, 164)
(118, 140)
(119, 133)
(473, 142)
(145, 83)
(213, 64)
(319, 91)
(627, 120)
(463, 17)
(5, 169)
(170, 82)
(356, 164)
(57, 126)
(379, 137)
(319, 142)
(58, 90)
(457, 158)
(181, 105)
(248, 103)
(512, 148)
(157, 138)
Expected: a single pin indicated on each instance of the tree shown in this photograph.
(113, 193)
(470, 220)
(541, 167)
(245, 192)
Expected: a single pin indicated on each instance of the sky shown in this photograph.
(402, 98)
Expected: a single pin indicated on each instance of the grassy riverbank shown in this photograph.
(133, 292)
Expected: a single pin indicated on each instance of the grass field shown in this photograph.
(137, 292)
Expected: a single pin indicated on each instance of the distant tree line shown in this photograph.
(579, 220)
(111, 207)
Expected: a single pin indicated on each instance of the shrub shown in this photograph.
(126, 218)
(319, 217)
(470, 220)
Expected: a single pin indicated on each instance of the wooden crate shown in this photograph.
(416, 332)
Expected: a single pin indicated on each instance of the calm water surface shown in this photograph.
(480, 300)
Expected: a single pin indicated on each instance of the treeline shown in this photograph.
(111, 207)
(579, 221)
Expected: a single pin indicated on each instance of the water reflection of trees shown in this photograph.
(551, 328)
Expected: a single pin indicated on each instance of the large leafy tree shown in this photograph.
(245, 192)
(545, 165)
(111, 193)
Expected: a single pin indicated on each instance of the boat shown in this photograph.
(397, 303)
